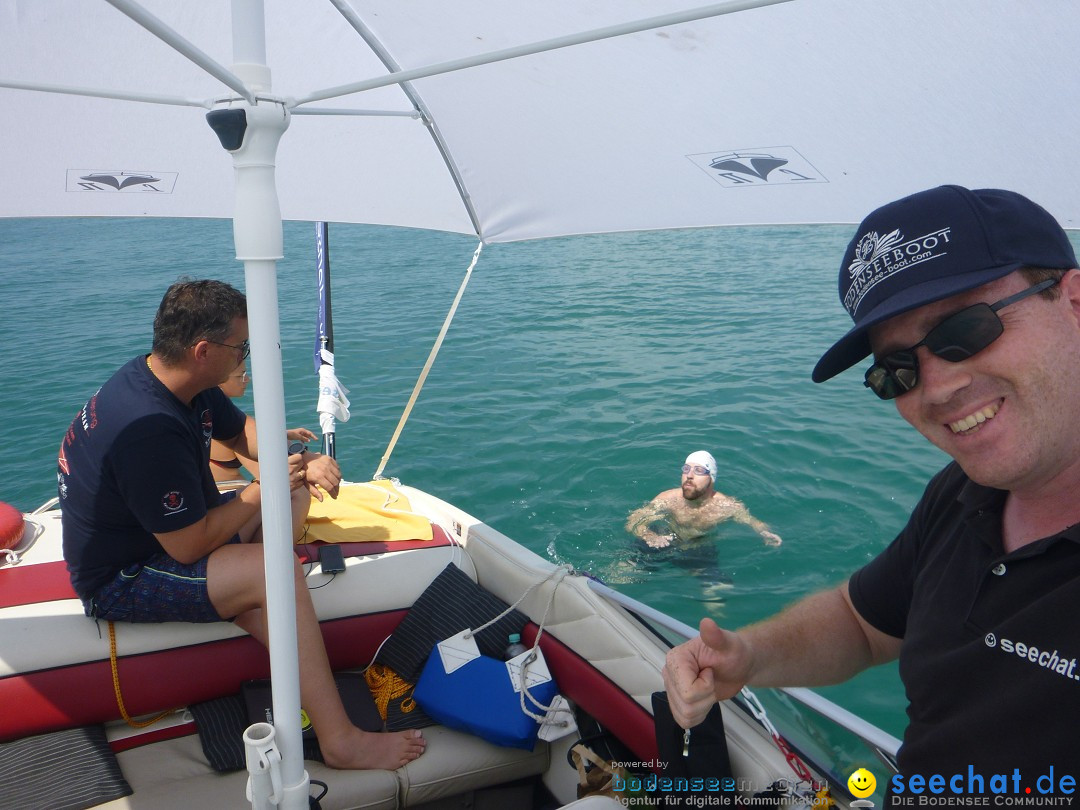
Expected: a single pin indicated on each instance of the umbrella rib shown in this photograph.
(182, 46)
(347, 111)
(413, 95)
(120, 95)
(402, 76)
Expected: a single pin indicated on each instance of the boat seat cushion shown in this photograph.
(174, 773)
(450, 604)
(455, 763)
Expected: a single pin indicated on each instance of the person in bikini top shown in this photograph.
(225, 464)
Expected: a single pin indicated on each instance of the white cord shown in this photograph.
(430, 361)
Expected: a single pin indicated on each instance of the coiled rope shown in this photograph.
(387, 685)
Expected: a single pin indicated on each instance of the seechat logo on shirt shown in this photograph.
(1047, 659)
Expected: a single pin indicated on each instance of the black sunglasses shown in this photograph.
(956, 338)
(244, 348)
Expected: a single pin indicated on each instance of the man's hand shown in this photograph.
(655, 540)
(300, 435)
(714, 666)
(771, 538)
(320, 473)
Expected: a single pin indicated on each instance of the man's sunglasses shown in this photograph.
(244, 348)
(956, 338)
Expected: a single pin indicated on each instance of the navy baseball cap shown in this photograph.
(932, 245)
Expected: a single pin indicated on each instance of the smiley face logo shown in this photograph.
(861, 783)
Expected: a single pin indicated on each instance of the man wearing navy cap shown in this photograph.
(969, 303)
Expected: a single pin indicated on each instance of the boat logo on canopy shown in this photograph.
(121, 181)
(773, 166)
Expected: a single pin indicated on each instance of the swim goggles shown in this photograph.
(956, 338)
(697, 468)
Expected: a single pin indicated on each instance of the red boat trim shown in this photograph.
(152, 735)
(309, 552)
(598, 695)
(33, 584)
(50, 582)
(180, 676)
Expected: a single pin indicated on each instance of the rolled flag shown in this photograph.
(333, 405)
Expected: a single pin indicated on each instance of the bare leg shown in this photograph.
(251, 532)
(236, 586)
(301, 503)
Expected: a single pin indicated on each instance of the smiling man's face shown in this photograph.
(1000, 413)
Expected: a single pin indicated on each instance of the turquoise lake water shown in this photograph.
(576, 377)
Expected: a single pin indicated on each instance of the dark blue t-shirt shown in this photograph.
(135, 462)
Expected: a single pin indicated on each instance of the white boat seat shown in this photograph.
(455, 763)
(175, 774)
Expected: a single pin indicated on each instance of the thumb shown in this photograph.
(730, 658)
(714, 636)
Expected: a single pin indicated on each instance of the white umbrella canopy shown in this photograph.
(795, 112)
(854, 102)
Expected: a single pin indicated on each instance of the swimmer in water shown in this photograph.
(694, 508)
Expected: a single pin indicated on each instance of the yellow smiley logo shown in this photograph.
(861, 783)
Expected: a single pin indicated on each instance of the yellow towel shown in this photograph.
(375, 511)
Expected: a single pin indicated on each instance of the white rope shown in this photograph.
(430, 361)
(558, 574)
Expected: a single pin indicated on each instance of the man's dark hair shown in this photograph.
(1034, 275)
(194, 310)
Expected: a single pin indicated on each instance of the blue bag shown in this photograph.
(479, 697)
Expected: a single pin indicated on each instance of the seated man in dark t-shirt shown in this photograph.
(147, 535)
(969, 302)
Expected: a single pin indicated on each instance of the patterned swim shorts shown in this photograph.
(157, 590)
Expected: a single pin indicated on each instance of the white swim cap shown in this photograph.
(705, 459)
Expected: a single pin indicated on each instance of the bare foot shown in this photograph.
(362, 750)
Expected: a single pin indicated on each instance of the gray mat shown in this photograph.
(64, 770)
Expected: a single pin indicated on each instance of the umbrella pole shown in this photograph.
(250, 133)
(261, 286)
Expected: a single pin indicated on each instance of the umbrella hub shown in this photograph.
(250, 133)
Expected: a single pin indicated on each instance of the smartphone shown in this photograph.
(331, 559)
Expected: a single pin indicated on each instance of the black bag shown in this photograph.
(694, 766)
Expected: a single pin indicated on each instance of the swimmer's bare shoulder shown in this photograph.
(726, 505)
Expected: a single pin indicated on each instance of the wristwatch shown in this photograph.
(296, 446)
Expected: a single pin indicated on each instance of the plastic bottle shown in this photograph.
(515, 647)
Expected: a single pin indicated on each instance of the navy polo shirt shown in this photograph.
(135, 462)
(991, 641)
